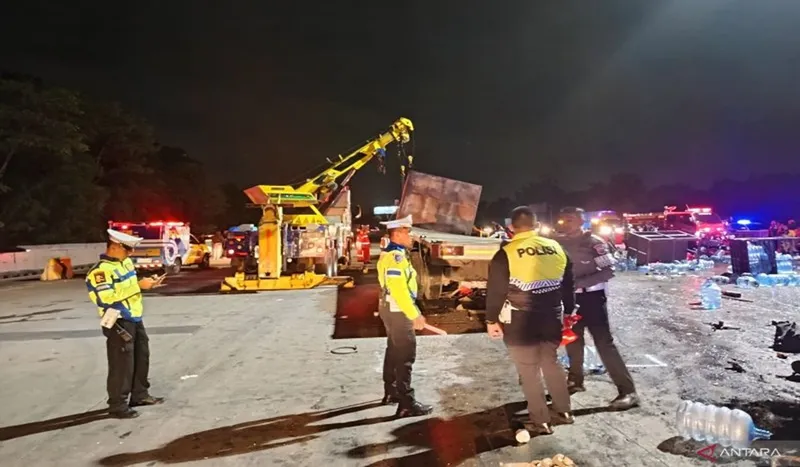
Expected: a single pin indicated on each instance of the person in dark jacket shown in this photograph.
(530, 284)
(593, 269)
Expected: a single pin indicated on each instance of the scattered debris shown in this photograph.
(782, 356)
(734, 366)
(559, 460)
(720, 326)
(345, 350)
(727, 293)
(185, 377)
(785, 461)
(787, 337)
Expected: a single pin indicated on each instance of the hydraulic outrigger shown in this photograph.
(294, 231)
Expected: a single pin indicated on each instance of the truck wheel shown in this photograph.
(206, 263)
(175, 268)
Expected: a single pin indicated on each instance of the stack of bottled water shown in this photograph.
(710, 295)
(592, 365)
(758, 259)
(720, 425)
(785, 263)
(778, 280)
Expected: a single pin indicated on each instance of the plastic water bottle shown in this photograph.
(710, 295)
(720, 425)
(747, 282)
(765, 280)
(591, 361)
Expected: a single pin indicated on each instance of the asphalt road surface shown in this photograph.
(287, 379)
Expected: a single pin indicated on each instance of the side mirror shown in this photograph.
(358, 215)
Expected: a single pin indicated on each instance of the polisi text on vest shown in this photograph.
(537, 250)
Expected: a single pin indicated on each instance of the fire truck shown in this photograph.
(165, 245)
(709, 224)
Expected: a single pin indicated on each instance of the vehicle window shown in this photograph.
(144, 231)
(680, 219)
(708, 218)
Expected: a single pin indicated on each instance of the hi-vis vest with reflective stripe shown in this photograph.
(536, 265)
(113, 284)
(398, 281)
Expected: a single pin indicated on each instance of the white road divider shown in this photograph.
(33, 261)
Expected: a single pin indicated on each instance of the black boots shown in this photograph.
(415, 409)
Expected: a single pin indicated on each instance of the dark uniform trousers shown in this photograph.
(594, 317)
(532, 339)
(401, 352)
(128, 365)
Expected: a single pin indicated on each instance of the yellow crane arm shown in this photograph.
(400, 132)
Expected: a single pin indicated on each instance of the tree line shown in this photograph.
(68, 164)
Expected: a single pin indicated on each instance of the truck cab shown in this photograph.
(165, 246)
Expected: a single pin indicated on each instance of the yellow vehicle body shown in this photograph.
(292, 221)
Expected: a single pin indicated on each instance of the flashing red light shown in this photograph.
(707, 229)
(170, 224)
(124, 227)
(230, 252)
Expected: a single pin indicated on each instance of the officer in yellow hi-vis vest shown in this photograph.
(401, 317)
(530, 284)
(116, 290)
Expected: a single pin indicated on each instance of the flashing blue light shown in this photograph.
(743, 222)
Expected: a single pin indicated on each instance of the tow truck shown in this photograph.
(165, 245)
(305, 232)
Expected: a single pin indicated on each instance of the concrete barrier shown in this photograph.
(33, 261)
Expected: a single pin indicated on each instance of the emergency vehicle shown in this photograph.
(709, 224)
(607, 224)
(240, 243)
(165, 246)
(668, 219)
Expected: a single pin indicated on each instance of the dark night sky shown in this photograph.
(500, 91)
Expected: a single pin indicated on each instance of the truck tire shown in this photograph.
(429, 280)
(175, 268)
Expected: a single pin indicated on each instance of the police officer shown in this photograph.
(115, 289)
(530, 283)
(593, 269)
(401, 317)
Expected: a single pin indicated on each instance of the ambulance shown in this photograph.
(166, 246)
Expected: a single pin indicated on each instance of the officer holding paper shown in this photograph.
(115, 289)
(401, 317)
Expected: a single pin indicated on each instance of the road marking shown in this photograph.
(656, 363)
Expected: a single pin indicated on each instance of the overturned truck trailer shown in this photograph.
(444, 252)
